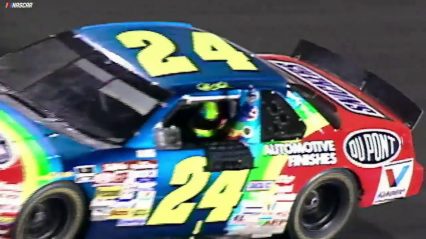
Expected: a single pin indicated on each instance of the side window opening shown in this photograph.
(326, 108)
(197, 126)
(211, 125)
(279, 120)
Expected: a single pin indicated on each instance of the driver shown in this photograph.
(208, 121)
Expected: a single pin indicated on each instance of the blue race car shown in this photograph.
(153, 130)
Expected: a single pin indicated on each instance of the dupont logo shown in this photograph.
(372, 148)
(19, 5)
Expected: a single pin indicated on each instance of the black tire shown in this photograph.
(55, 211)
(324, 206)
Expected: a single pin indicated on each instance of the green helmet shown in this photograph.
(210, 110)
(209, 120)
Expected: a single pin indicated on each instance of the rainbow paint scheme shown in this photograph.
(34, 159)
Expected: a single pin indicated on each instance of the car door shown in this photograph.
(201, 180)
(205, 191)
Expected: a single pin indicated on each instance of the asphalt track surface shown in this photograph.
(386, 36)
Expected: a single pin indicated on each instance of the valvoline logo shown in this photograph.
(395, 180)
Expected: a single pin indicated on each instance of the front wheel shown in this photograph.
(323, 207)
(55, 211)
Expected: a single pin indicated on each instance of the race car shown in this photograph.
(159, 130)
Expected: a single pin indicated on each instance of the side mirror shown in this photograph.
(168, 137)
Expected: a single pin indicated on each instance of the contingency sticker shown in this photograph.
(267, 211)
(266, 201)
(124, 191)
(394, 181)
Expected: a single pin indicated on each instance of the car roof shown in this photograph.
(103, 38)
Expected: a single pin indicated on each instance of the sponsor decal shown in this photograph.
(131, 222)
(146, 173)
(286, 194)
(57, 175)
(124, 203)
(6, 220)
(5, 230)
(273, 222)
(282, 209)
(329, 88)
(253, 114)
(286, 179)
(141, 213)
(252, 207)
(4, 186)
(394, 181)
(120, 213)
(129, 213)
(108, 192)
(145, 183)
(265, 215)
(100, 213)
(371, 148)
(284, 199)
(247, 132)
(145, 199)
(7, 158)
(10, 208)
(125, 192)
(110, 178)
(213, 86)
(146, 153)
(131, 165)
(7, 197)
(259, 185)
(146, 164)
(84, 174)
(10, 198)
(6, 224)
(112, 167)
(100, 202)
(146, 195)
(310, 153)
(244, 219)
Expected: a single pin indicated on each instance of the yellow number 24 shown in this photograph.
(221, 197)
(156, 56)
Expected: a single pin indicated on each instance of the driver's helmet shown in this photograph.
(208, 121)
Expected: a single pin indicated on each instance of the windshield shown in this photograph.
(73, 84)
(91, 101)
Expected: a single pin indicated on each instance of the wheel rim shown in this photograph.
(46, 219)
(322, 205)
